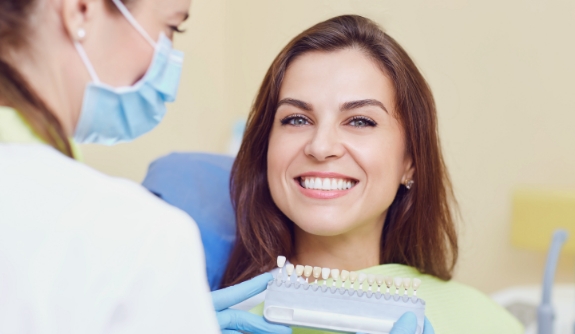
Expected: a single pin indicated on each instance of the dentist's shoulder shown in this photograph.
(95, 253)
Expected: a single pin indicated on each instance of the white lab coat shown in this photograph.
(82, 252)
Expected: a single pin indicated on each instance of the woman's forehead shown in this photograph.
(344, 75)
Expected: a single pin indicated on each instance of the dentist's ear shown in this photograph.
(77, 16)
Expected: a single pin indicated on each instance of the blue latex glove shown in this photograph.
(233, 321)
(407, 324)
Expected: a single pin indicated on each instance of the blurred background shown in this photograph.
(503, 77)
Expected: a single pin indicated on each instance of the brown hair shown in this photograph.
(419, 229)
(14, 90)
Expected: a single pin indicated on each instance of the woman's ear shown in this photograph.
(409, 170)
(77, 16)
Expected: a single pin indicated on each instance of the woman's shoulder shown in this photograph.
(453, 307)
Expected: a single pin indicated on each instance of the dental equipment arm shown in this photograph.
(545, 312)
(234, 321)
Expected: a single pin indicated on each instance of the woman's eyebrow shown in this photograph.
(296, 103)
(362, 103)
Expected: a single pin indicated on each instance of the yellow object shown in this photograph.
(15, 129)
(537, 213)
(451, 307)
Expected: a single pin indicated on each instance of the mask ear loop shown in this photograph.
(87, 62)
(122, 8)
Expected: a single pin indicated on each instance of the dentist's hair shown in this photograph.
(419, 228)
(16, 22)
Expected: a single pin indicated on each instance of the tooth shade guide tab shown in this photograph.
(416, 284)
(334, 276)
(379, 280)
(316, 273)
(307, 273)
(352, 278)
(361, 278)
(325, 274)
(289, 270)
(299, 271)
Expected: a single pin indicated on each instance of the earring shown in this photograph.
(409, 184)
(81, 34)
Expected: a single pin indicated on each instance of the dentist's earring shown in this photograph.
(81, 34)
(409, 183)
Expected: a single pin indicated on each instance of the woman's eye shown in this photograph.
(295, 121)
(177, 29)
(361, 122)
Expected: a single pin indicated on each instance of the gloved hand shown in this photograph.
(407, 324)
(232, 321)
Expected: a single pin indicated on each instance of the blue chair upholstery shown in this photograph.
(198, 183)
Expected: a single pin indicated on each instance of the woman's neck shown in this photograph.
(51, 67)
(357, 249)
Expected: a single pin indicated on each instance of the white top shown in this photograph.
(82, 252)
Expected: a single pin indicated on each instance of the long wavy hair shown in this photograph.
(419, 228)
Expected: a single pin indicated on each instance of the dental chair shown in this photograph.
(198, 183)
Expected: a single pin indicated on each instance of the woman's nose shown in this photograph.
(324, 144)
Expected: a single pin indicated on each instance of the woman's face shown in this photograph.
(118, 52)
(337, 153)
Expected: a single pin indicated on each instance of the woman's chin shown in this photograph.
(323, 228)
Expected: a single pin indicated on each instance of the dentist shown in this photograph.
(81, 252)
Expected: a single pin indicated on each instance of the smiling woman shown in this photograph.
(343, 102)
(341, 167)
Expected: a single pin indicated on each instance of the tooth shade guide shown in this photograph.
(374, 310)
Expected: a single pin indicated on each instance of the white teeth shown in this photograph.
(326, 184)
(317, 183)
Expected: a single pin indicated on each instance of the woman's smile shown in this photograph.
(324, 185)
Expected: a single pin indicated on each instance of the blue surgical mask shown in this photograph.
(113, 115)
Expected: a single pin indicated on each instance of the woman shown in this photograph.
(341, 167)
(81, 252)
